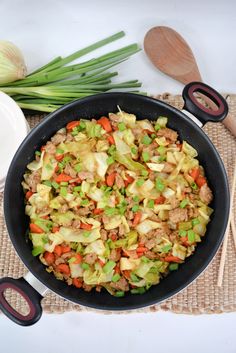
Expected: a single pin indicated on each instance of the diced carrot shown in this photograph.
(58, 250)
(113, 237)
(35, 229)
(128, 179)
(149, 132)
(126, 273)
(105, 123)
(62, 178)
(101, 262)
(184, 241)
(65, 249)
(79, 259)
(97, 211)
(78, 283)
(117, 268)
(110, 139)
(110, 179)
(160, 200)
(72, 124)
(63, 268)
(49, 257)
(29, 194)
(172, 258)
(194, 173)
(200, 181)
(141, 249)
(55, 229)
(137, 218)
(85, 226)
(59, 157)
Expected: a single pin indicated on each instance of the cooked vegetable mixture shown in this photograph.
(115, 203)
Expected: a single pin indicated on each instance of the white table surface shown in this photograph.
(44, 29)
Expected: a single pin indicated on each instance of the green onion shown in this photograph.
(47, 183)
(84, 202)
(108, 267)
(119, 294)
(85, 266)
(77, 188)
(153, 136)
(37, 250)
(194, 186)
(145, 259)
(121, 126)
(195, 221)
(139, 290)
(82, 125)
(55, 184)
(134, 278)
(150, 204)
(146, 140)
(134, 150)
(135, 208)
(161, 150)
(115, 278)
(183, 233)
(38, 153)
(111, 149)
(157, 127)
(145, 156)
(110, 211)
(63, 191)
(136, 198)
(191, 236)
(166, 248)
(173, 267)
(74, 132)
(144, 173)
(64, 183)
(159, 185)
(77, 167)
(162, 158)
(183, 203)
(110, 160)
(59, 151)
(140, 182)
(81, 194)
(48, 167)
(86, 233)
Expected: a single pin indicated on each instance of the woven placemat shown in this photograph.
(202, 296)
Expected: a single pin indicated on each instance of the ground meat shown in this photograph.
(174, 236)
(193, 212)
(168, 133)
(67, 255)
(178, 215)
(129, 215)
(87, 287)
(119, 182)
(115, 255)
(168, 168)
(143, 239)
(114, 118)
(174, 202)
(90, 258)
(50, 148)
(154, 217)
(121, 285)
(98, 288)
(205, 194)
(76, 224)
(83, 211)
(152, 176)
(151, 255)
(33, 180)
(103, 233)
(70, 171)
(64, 208)
(121, 230)
(58, 138)
(59, 261)
(69, 137)
(86, 175)
(187, 190)
(150, 244)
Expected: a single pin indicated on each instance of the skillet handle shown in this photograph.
(202, 113)
(32, 297)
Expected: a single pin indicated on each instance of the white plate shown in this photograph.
(13, 130)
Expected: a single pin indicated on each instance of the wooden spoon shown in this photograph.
(171, 54)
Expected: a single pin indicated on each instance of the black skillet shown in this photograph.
(37, 281)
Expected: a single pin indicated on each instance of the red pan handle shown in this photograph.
(204, 114)
(32, 297)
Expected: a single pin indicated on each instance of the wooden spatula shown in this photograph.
(171, 54)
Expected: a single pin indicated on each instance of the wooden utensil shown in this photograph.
(171, 54)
